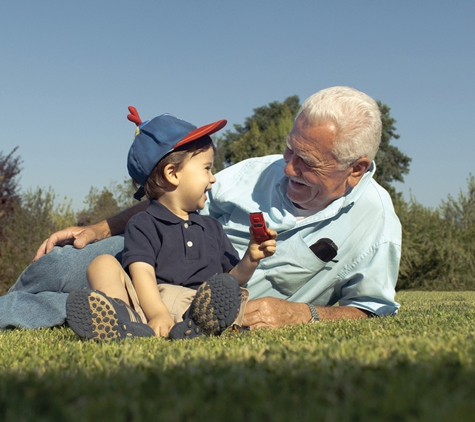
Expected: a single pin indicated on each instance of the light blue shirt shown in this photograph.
(362, 224)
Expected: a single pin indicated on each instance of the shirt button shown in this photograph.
(186, 225)
(189, 243)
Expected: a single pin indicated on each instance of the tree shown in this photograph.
(106, 203)
(438, 252)
(101, 205)
(9, 170)
(32, 220)
(391, 163)
(265, 133)
(461, 213)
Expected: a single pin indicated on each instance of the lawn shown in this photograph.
(417, 366)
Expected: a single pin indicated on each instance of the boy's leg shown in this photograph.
(104, 312)
(214, 308)
(214, 296)
(38, 298)
(178, 299)
(105, 273)
(93, 315)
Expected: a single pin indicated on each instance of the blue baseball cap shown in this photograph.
(157, 137)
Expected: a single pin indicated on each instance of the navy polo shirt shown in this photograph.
(184, 253)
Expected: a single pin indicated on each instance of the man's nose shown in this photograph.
(291, 167)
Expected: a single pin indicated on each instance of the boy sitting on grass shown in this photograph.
(184, 272)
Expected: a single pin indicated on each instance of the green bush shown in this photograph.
(106, 203)
(438, 249)
(32, 220)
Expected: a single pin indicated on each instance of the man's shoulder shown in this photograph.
(376, 204)
(256, 163)
(379, 196)
(250, 172)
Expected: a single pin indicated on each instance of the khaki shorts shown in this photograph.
(177, 299)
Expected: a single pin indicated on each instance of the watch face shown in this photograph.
(324, 249)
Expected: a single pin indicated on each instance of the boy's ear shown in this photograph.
(170, 174)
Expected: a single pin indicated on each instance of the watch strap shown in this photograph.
(313, 311)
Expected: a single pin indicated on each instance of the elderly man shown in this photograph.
(320, 197)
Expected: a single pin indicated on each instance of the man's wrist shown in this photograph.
(102, 229)
(314, 312)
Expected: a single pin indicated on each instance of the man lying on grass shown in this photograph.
(320, 197)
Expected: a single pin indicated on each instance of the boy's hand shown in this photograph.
(162, 324)
(258, 251)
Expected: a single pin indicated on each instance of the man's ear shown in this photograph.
(170, 174)
(357, 170)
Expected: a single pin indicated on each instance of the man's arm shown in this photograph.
(272, 313)
(79, 237)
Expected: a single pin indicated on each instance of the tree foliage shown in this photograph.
(105, 203)
(461, 213)
(33, 218)
(391, 163)
(263, 133)
(9, 188)
(438, 251)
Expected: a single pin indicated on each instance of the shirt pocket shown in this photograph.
(292, 265)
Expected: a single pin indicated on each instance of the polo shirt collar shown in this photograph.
(161, 212)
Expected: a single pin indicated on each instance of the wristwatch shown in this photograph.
(313, 311)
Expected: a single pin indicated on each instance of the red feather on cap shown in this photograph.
(134, 116)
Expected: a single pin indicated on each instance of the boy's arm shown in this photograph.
(244, 270)
(145, 283)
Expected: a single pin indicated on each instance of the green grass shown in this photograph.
(418, 366)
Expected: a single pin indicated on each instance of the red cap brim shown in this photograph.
(202, 131)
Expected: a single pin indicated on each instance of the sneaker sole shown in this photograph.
(91, 315)
(215, 307)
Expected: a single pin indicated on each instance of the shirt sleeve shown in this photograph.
(138, 243)
(371, 285)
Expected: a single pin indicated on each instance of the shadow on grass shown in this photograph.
(246, 391)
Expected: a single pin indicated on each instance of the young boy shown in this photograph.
(185, 273)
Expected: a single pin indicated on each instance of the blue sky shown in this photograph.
(69, 69)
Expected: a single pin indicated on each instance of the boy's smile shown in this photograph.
(194, 179)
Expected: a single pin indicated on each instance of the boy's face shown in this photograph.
(195, 179)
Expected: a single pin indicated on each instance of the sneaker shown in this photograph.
(214, 308)
(93, 315)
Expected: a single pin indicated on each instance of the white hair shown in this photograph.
(356, 117)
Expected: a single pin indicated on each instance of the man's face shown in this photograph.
(315, 179)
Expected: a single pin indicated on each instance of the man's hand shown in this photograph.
(79, 237)
(271, 312)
